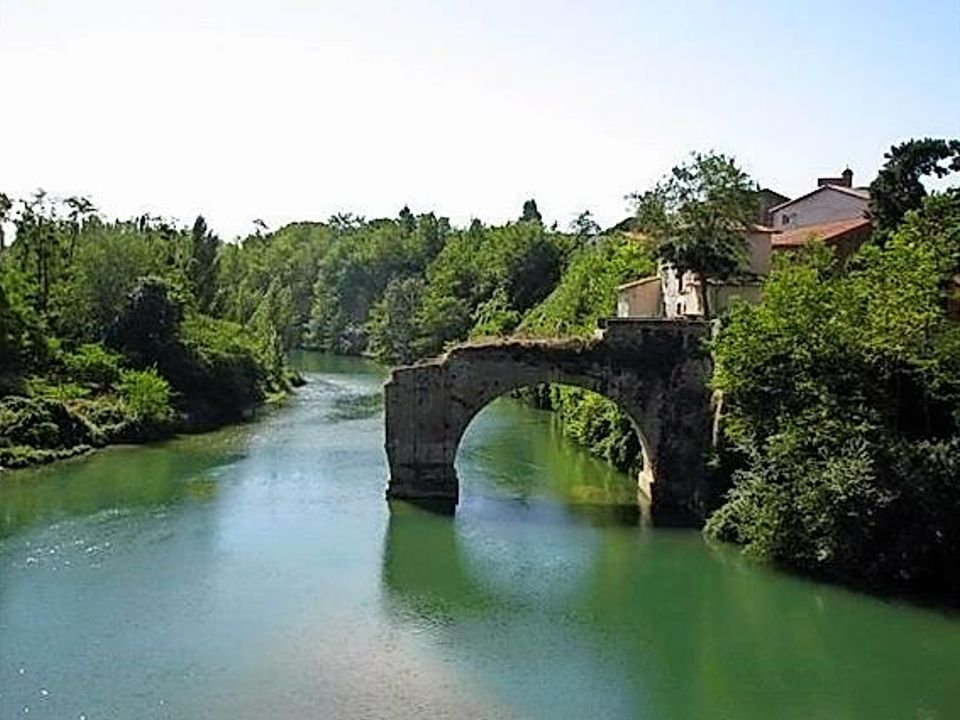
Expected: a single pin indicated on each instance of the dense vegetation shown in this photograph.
(132, 330)
(107, 334)
(842, 411)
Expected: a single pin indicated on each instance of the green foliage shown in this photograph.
(898, 187)
(149, 322)
(41, 423)
(506, 269)
(587, 290)
(92, 363)
(842, 397)
(530, 212)
(202, 270)
(147, 396)
(62, 391)
(585, 294)
(106, 265)
(361, 261)
(595, 423)
(22, 342)
(391, 329)
(698, 215)
(495, 317)
(220, 369)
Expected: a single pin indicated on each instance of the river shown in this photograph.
(257, 572)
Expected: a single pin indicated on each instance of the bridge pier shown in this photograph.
(657, 372)
(433, 486)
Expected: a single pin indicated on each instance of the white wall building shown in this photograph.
(834, 199)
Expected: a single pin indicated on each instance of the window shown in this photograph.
(784, 219)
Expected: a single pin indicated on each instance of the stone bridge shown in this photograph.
(655, 371)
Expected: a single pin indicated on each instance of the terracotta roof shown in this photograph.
(827, 232)
(855, 192)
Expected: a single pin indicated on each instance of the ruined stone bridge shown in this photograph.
(655, 371)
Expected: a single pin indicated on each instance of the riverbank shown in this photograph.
(39, 431)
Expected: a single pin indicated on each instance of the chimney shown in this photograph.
(845, 179)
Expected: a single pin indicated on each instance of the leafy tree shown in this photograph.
(530, 212)
(587, 290)
(408, 223)
(80, 208)
(898, 187)
(149, 324)
(698, 215)
(584, 227)
(392, 328)
(38, 244)
(203, 266)
(108, 260)
(495, 317)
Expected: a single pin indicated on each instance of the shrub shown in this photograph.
(92, 363)
(146, 396)
(42, 423)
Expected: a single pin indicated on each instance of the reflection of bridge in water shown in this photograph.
(656, 372)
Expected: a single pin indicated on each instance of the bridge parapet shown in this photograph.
(656, 372)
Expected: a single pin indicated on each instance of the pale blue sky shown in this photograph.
(290, 109)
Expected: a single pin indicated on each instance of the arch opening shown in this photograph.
(595, 427)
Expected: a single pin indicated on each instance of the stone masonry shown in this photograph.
(656, 371)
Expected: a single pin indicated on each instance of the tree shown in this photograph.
(698, 214)
(898, 187)
(530, 212)
(80, 209)
(392, 327)
(408, 223)
(203, 264)
(149, 323)
(37, 236)
(6, 205)
(585, 227)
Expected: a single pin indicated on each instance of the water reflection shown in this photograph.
(122, 478)
(571, 610)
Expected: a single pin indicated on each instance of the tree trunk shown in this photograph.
(704, 295)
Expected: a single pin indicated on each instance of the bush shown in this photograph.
(93, 364)
(42, 423)
(147, 397)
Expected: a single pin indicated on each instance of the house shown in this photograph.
(835, 213)
(834, 199)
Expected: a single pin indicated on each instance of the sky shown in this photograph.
(294, 109)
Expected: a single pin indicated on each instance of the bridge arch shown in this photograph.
(656, 372)
(486, 395)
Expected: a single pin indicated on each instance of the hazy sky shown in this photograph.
(292, 109)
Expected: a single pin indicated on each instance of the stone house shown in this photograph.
(833, 213)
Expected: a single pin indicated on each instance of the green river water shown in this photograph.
(257, 572)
